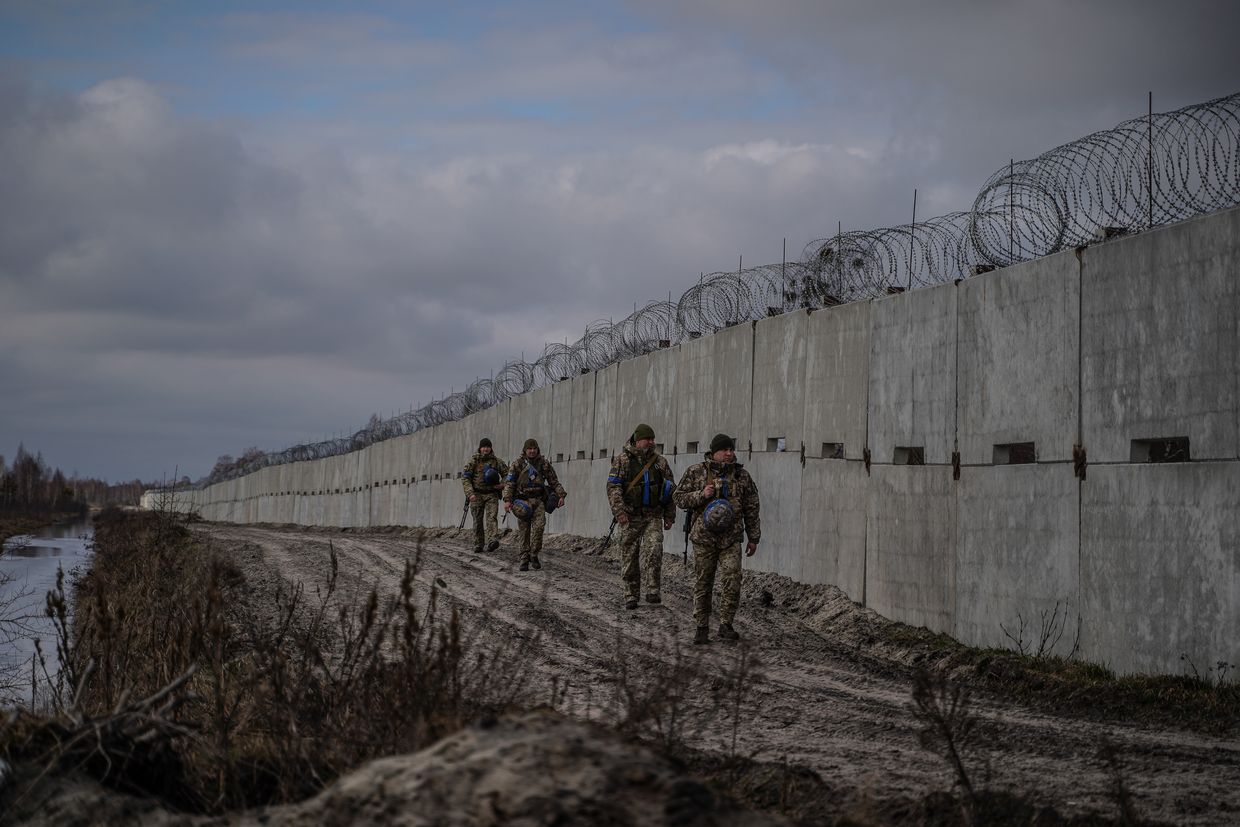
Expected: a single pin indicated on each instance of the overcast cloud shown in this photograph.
(225, 225)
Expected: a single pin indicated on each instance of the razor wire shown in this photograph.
(1144, 173)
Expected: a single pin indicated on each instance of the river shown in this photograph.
(28, 567)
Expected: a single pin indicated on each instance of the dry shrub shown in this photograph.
(175, 686)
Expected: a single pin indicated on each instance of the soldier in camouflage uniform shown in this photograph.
(530, 478)
(719, 477)
(482, 478)
(639, 489)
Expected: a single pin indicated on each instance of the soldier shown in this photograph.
(529, 479)
(724, 502)
(639, 488)
(482, 478)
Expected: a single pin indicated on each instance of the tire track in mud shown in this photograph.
(817, 703)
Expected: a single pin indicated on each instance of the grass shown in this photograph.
(177, 686)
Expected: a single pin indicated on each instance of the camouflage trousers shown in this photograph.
(485, 510)
(728, 561)
(641, 556)
(530, 531)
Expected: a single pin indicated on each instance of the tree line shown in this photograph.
(29, 486)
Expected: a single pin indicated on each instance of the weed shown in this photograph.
(942, 708)
(1051, 626)
(174, 686)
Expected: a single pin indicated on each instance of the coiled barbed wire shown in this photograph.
(1147, 172)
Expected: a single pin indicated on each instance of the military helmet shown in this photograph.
(718, 515)
(490, 476)
(522, 510)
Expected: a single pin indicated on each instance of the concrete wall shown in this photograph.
(1132, 339)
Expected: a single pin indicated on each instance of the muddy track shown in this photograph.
(814, 702)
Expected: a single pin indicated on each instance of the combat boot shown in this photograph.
(525, 567)
(477, 549)
(726, 632)
(491, 546)
(535, 564)
(631, 603)
(653, 598)
(702, 635)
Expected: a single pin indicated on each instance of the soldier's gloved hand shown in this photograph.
(708, 491)
(622, 518)
(668, 522)
(473, 498)
(750, 548)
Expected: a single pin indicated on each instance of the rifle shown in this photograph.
(464, 511)
(607, 542)
(688, 526)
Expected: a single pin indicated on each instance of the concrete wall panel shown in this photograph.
(911, 545)
(1019, 359)
(647, 393)
(912, 400)
(561, 422)
(714, 390)
(779, 361)
(1160, 566)
(1017, 556)
(834, 495)
(607, 438)
(581, 432)
(779, 492)
(837, 378)
(1159, 339)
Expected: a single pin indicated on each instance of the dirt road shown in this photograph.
(814, 701)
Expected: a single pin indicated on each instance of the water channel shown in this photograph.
(28, 566)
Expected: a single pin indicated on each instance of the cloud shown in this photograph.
(327, 214)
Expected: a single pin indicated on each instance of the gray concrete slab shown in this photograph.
(560, 447)
(1020, 359)
(1160, 566)
(912, 397)
(837, 379)
(1017, 563)
(581, 434)
(834, 496)
(779, 360)
(607, 438)
(714, 390)
(911, 545)
(778, 479)
(1159, 339)
(647, 388)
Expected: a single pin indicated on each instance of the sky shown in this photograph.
(231, 224)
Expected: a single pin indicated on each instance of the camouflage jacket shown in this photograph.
(741, 492)
(645, 498)
(530, 479)
(471, 474)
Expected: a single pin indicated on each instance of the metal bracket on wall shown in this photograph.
(956, 465)
(1079, 462)
(865, 455)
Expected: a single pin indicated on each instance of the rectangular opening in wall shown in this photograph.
(1014, 453)
(691, 447)
(658, 446)
(1164, 449)
(832, 450)
(910, 455)
(424, 478)
(559, 457)
(602, 453)
(581, 455)
(403, 481)
(776, 443)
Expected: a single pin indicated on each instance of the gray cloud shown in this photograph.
(174, 287)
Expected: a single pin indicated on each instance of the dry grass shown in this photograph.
(175, 686)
